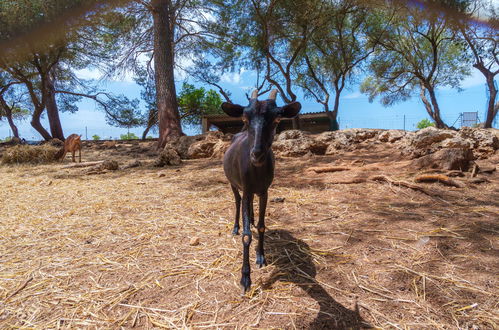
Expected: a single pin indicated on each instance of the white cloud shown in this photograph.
(233, 77)
(89, 74)
(354, 95)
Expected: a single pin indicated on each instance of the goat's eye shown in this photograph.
(277, 120)
(245, 120)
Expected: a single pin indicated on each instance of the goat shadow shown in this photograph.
(294, 264)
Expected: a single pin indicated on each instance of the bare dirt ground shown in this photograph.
(117, 249)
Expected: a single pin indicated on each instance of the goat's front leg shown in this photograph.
(79, 154)
(247, 236)
(252, 212)
(260, 254)
(73, 155)
(237, 197)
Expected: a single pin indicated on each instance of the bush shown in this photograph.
(129, 136)
(7, 139)
(20, 154)
(425, 123)
(95, 137)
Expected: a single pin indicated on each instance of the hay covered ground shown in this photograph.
(119, 249)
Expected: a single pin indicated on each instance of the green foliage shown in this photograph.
(129, 136)
(95, 137)
(7, 139)
(149, 137)
(425, 123)
(416, 49)
(196, 102)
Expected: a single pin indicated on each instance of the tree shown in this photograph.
(158, 33)
(197, 102)
(193, 104)
(483, 46)
(11, 102)
(417, 51)
(335, 51)
(267, 37)
(46, 65)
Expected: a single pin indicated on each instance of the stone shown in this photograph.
(168, 157)
(201, 149)
(446, 159)
(111, 165)
(194, 241)
(220, 148)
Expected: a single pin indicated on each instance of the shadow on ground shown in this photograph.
(293, 263)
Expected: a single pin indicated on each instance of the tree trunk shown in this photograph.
(151, 121)
(52, 109)
(8, 114)
(491, 105)
(432, 108)
(333, 115)
(35, 123)
(166, 96)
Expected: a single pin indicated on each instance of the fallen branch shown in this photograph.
(329, 169)
(86, 164)
(444, 179)
(382, 178)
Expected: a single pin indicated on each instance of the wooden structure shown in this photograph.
(315, 122)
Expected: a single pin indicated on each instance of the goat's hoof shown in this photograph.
(260, 260)
(235, 231)
(245, 283)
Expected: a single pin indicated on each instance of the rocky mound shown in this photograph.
(429, 147)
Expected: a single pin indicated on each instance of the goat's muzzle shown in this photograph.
(257, 157)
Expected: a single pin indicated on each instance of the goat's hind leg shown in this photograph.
(237, 197)
(260, 254)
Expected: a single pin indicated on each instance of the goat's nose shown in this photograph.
(257, 154)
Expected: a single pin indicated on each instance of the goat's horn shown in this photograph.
(254, 95)
(273, 94)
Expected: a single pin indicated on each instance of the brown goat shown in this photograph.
(72, 143)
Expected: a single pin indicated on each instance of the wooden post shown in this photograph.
(205, 125)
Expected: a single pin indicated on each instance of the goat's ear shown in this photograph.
(233, 110)
(290, 110)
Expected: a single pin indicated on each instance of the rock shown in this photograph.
(425, 137)
(213, 135)
(220, 148)
(486, 140)
(457, 142)
(446, 159)
(391, 135)
(194, 241)
(201, 149)
(109, 144)
(111, 165)
(161, 175)
(293, 143)
(135, 163)
(278, 200)
(168, 156)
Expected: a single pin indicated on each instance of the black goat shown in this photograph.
(249, 166)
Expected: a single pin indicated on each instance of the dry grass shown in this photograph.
(113, 250)
(27, 154)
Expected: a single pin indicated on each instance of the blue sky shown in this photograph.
(355, 110)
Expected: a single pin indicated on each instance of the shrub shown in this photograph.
(20, 154)
(128, 136)
(425, 123)
(95, 137)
